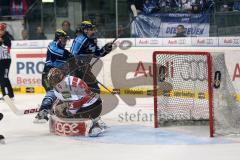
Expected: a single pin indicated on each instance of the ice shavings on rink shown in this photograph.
(137, 134)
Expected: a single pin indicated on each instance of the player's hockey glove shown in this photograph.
(107, 48)
(67, 54)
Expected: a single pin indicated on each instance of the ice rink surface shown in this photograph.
(129, 137)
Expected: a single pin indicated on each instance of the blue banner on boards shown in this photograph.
(164, 25)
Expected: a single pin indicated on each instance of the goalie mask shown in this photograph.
(55, 76)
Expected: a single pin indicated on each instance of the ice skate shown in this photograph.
(102, 124)
(41, 117)
(95, 130)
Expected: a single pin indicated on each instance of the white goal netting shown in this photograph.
(194, 89)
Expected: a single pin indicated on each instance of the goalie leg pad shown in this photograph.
(69, 126)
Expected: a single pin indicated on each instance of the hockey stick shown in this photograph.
(124, 28)
(14, 108)
(99, 57)
(114, 40)
(105, 87)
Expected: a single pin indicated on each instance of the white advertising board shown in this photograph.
(124, 67)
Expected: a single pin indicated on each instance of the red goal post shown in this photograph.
(170, 86)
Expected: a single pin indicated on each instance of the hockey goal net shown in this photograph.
(194, 88)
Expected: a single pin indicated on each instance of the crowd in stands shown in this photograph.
(40, 35)
(181, 6)
(17, 8)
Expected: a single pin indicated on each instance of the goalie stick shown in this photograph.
(124, 28)
(15, 110)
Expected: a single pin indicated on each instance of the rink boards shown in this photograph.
(127, 70)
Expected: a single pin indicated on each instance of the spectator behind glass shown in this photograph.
(66, 27)
(236, 6)
(39, 34)
(150, 6)
(224, 8)
(24, 34)
(18, 7)
(136, 6)
(122, 32)
(207, 6)
(180, 31)
(196, 6)
(186, 5)
(164, 5)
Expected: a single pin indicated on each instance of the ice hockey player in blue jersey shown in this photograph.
(57, 55)
(84, 48)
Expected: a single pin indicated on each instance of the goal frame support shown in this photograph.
(210, 84)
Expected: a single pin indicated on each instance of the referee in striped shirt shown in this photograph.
(5, 61)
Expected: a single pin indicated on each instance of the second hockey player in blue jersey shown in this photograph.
(84, 48)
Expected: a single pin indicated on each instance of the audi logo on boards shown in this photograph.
(193, 70)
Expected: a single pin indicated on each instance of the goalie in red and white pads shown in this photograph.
(75, 100)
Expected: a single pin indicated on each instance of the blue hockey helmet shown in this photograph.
(87, 25)
(60, 33)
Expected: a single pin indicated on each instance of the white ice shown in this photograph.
(126, 139)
